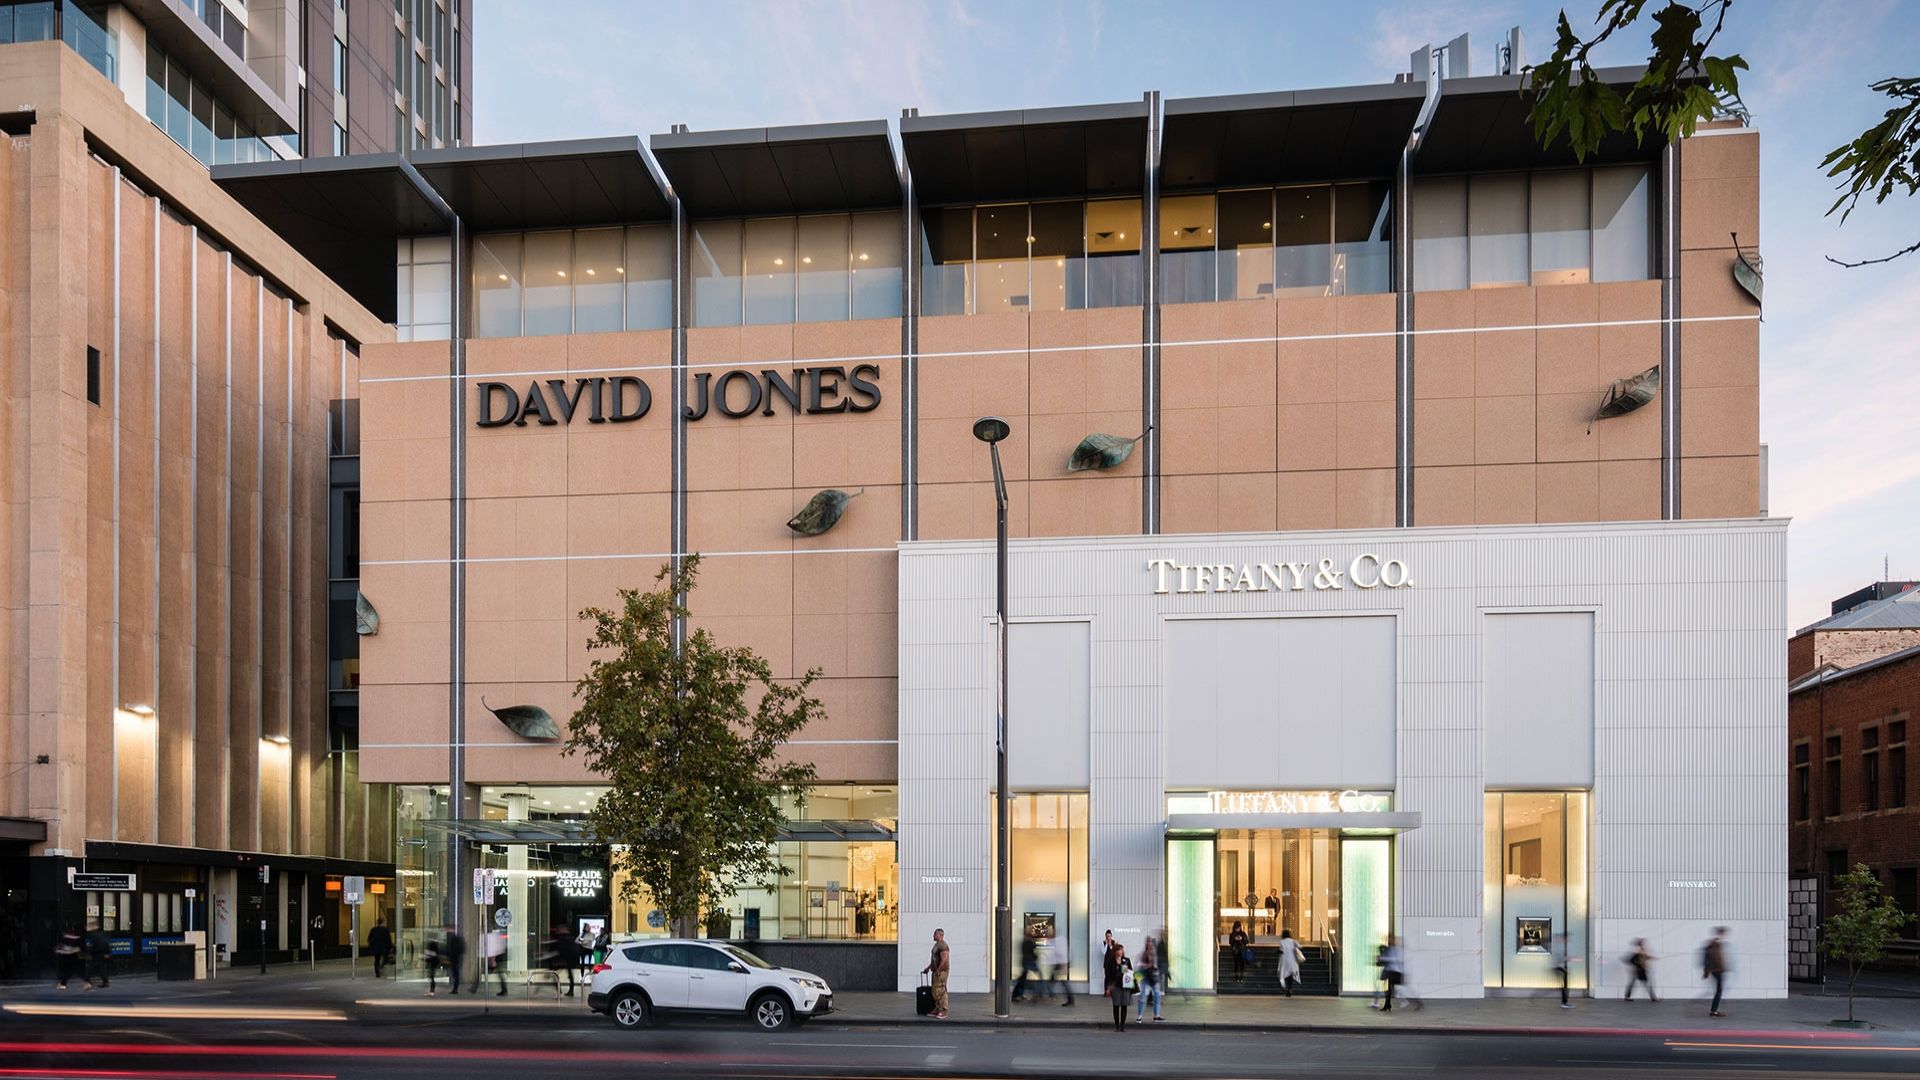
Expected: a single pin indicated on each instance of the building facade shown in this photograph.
(1853, 682)
(170, 368)
(1376, 326)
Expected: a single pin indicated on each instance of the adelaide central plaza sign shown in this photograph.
(738, 392)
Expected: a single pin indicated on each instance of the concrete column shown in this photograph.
(519, 888)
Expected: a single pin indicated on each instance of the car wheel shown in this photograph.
(629, 1009)
(771, 1011)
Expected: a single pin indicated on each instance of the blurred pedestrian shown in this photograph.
(1119, 983)
(1713, 965)
(1146, 981)
(1393, 970)
(1061, 961)
(566, 954)
(492, 960)
(380, 944)
(99, 956)
(1289, 961)
(1639, 961)
(454, 949)
(1237, 945)
(1029, 963)
(69, 960)
(1165, 964)
(938, 964)
(432, 957)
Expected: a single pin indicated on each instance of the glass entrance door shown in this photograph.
(1270, 880)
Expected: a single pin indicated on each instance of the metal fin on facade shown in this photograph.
(822, 512)
(1099, 451)
(526, 721)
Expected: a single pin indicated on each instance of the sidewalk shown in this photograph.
(329, 990)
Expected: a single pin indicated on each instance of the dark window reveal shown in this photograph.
(1870, 767)
(1802, 782)
(1897, 765)
(1833, 775)
(93, 375)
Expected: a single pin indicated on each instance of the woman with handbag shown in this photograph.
(1119, 971)
(1289, 961)
(1237, 945)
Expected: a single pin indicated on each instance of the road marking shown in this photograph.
(1789, 1046)
(894, 1046)
(939, 1059)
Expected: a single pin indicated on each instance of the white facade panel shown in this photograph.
(1684, 699)
(1047, 707)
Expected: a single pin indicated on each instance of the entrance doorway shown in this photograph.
(1330, 893)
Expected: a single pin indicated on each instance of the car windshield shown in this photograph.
(747, 958)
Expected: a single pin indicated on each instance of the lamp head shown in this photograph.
(991, 429)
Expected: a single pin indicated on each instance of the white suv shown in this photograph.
(642, 978)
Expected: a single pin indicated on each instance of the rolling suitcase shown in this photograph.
(923, 997)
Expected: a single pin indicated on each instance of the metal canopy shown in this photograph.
(551, 185)
(342, 214)
(24, 830)
(1394, 821)
(1028, 154)
(1248, 139)
(574, 830)
(1482, 124)
(789, 170)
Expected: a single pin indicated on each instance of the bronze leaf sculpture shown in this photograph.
(1749, 271)
(822, 511)
(366, 621)
(1100, 451)
(527, 721)
(1626, 395)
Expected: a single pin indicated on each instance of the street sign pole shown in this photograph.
(353, 969)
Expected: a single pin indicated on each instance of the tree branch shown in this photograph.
(1908, 250)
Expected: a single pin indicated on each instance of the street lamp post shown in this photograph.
(990, 430)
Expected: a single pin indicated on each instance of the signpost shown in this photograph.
(353, 891)
(102, 882)
(266, 877)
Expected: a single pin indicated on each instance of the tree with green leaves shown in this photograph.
(689, 739)
(1866, 922)
(1686, 82)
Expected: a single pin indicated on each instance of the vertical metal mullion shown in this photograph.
(193, 527)
(1150, 320)
(682, 304)
(157, 543)
(226, 591)
(457, 562)
(911, 287)
(1670, 359)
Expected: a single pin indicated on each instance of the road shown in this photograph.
(416, 1048)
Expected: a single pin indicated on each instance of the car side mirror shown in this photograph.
(737, 967)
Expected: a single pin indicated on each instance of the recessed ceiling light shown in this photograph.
(503, 277)
(590, 269)
(560, 273)
(619, 269)
(863, 256)
(808, 259)
(779, 262)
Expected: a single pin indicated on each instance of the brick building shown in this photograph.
(1851, 798)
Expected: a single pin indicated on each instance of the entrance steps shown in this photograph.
(1319, 972)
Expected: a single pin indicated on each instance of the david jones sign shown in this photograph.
(621, 399)
(1366, 571)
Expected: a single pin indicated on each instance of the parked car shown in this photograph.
(643, 978)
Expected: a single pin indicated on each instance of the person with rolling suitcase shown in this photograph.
(932, 1000)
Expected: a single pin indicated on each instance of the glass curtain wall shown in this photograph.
(1043, 256)
(817, 268)
(1302, 240)
(420, 857)
(577, 281)
(186, 110)
(1553, 227)
(1047, 834)
(1535, 864)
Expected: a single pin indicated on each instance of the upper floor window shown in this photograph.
(1559, 227)
(577, 281)
(424, 289)
(1307, 240)
(186, 110)
(1870, 767)
(819, 268)
(1897, 763)
(1046, 256)
(1833, 775)
(1802, 782)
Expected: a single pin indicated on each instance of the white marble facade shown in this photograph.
(1657, 683)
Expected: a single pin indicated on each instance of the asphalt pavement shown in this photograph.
(321, 1024)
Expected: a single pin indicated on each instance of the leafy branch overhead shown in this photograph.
(1684, 83)
(689, 740)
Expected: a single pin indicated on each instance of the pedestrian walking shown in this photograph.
(455, 951)
(99, 956)
(1119, 982)
(380, 944)
(1713, 965)
(1562, 966)
(566, 954)
(1639, 961)
(1289, 961)
(1146, 981)
(1061, 962)
(1237, 945)
(937, 966)
(493, 959)
(1393, 970)
(69, 960)
(432, 957)
(1029, 963)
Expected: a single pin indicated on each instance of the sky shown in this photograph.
(1840, 360)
